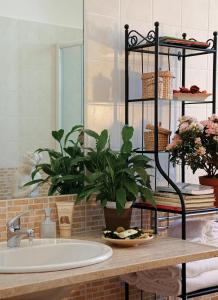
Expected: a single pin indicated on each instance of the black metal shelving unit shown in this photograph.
(153, 45)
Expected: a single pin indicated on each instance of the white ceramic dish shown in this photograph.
(128, 242)
(191, 97)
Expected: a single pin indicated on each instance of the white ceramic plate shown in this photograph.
(128, 243)
(191, 97)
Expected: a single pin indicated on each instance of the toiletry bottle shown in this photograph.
(48, 227)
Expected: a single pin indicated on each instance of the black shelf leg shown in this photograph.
(126, 291)
(214, 71)
(126, 74)
(183, 103)
(184, 295)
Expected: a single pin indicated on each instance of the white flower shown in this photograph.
(216, 138)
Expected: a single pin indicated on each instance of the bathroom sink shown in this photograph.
(43, 255)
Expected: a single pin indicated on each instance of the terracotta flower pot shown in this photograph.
(204, 180)
(113, 219)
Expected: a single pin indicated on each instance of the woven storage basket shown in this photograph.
(163, 138)
(148, 88)
(165, 79)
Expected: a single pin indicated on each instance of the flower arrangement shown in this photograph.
(196, 144)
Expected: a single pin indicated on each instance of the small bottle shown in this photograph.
(48, 227)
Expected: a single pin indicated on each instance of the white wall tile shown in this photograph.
(28, 85)
(196, 77)
(138, 10)
(195, 14)
(175, 16)
(103, 84)
(102, 38)
(107, 8)
(168, 12)
(105, 115)
(213, 12)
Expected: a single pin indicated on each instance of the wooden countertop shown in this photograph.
(158, 253)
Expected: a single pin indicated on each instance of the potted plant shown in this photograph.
(117, 177)
(196, 143)
(65, 170)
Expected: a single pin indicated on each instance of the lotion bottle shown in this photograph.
(48, 227)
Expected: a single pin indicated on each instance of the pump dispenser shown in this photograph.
(48, 227)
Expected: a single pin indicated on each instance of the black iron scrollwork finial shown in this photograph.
(135, 38)
(211, 43)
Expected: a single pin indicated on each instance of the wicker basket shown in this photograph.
(148, 88)
(165, 85)
(163, 138)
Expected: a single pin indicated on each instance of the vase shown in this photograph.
(113, 219)
(211, 181)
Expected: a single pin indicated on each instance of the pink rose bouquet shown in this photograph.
(196, 144)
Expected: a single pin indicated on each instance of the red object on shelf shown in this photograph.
(204, 180)
(189, 43)
(170, 208)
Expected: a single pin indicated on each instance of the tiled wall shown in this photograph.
(104, 57)
(28, 86)
(7, 180)
(27, 90)
(85, 217)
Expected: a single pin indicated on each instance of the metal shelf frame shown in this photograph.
(152, 44)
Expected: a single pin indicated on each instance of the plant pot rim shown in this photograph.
(208, 177)
(112, 204)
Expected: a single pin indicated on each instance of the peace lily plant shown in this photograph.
(116, 177)
(64, 173)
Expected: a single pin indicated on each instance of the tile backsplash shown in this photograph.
(86, 217)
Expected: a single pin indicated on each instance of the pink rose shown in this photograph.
(198, 141)
(201, 151)
(183, 127)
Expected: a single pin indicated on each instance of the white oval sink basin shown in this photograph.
(44, 255)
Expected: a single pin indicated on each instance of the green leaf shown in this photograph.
(52, 190)
(110, 168)
(67, 178)
(96, 176)
(148, 196)
(132, 187)
(46, 168)
(57, 135)
(86, 193)
(34, 182)
(103, 202)
(140, 158)
(126, 147)
(127, 133)
(120, 199)
(92, 133)
(142, 173)
(51, 153)
(74, 129)
(102, 140)
(74, 152)
(34, 172)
